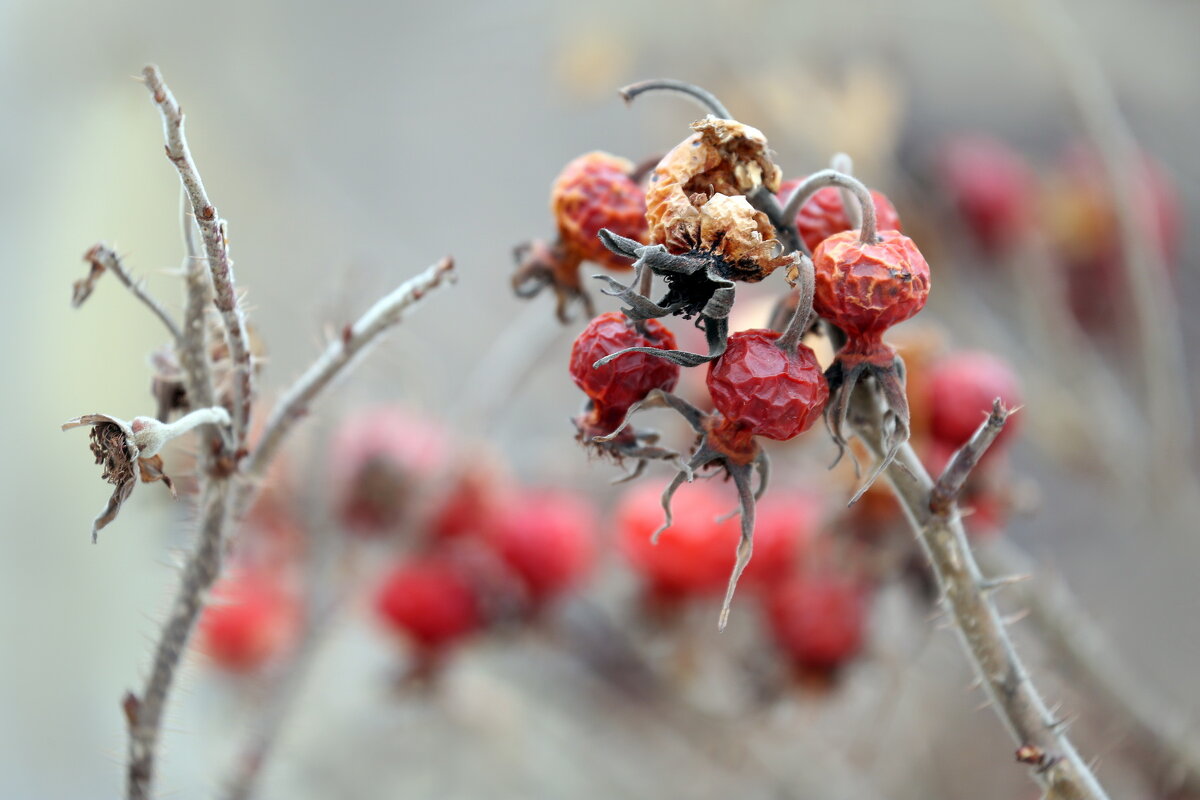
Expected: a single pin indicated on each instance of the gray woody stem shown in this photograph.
(194, 357)
(338, 355)
(104, 259)
(212, 230)
(931, 511)
(830, 177)
(145, 711)
(1161, 735)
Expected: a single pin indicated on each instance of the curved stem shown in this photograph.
(802, 315)
(705, 98)
(843, 163)
(830, 177)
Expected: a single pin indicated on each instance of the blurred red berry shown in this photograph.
(379, 456)
(768, 392)
(696, 553)
(430, 601)
(993, 187)
(962, 387)
(475, 493)
(615, 386)
(785, 524)
(823, 214)
(819, 620)
(548, 538)
(249, 620)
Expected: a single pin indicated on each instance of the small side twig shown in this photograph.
(101, 259)
(212, 230)
(1054, 762)
(950, 484)
(355, 338)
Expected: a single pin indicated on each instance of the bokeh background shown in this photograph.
(351, 144)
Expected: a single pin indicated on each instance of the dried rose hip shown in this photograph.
(430, 601)
(548, 538)
(865, 286)
(596, 190)
(818, 619)
(823, 214)
(250, 619)
(767, 390)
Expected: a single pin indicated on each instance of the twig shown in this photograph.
(145, 711)
(1054, 762)
(338, 355)
(212, 230)
(103, 259)
(1162, 735)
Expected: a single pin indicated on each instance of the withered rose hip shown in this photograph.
(823, 214)
(865, 289)
(618, 384)
(769, 392)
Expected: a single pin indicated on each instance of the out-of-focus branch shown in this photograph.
(1041, 741)
(1163, 738)
(145, 711)
(212, 230)
(103, 259)
(340, 353)
(192, 349)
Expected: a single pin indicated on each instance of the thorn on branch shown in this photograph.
(948, 487)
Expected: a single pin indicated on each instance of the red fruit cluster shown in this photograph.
(765, 390)
(824, 214)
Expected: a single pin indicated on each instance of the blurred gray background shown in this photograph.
(352, 144)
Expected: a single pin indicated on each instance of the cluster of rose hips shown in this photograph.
(1002, 199)
(713, 220)
(466, 549)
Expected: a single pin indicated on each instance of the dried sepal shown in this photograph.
(82, 289)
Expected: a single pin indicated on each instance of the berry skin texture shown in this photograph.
(819, 620)
(823, 214)
(596, 191)
(430, 602)
(865, 289)
(548, 538)
(770, 393)
(250, 620)
(620, 383)
(962, 387)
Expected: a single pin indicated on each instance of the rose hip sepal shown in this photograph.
(596, 190)
(864, 289)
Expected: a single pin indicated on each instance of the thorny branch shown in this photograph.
(212, 230)
(1041, 741)
(101, 259)
(340, 353)
(1164, 738)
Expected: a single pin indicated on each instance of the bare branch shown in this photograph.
(954, 476)
(386, 312)
(145, 711)
(1054, 762)
(212, 230)
(192, 348)
(1163, 737)
(103, 259)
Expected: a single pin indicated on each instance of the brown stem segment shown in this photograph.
(831, 177)
(212, 231)
(1041, 741)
